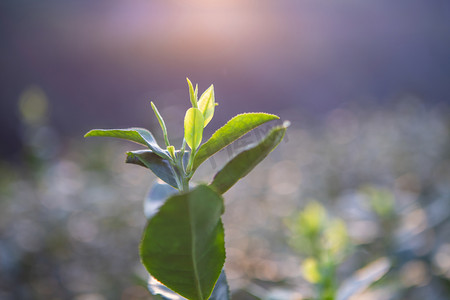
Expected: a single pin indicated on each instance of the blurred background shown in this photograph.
(365, 84)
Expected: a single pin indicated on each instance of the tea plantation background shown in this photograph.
(365, 86)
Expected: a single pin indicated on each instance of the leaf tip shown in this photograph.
(88, 134)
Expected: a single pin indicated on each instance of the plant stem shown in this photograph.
(180, 174)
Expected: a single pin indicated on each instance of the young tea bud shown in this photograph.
(171, 150)
(192, 93)
(206, 104)
(193, 127)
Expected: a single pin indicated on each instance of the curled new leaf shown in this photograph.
(245, 161)
(193, 127)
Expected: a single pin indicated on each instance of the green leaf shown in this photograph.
(159, 166)
(206, 104)
(244, 162)
(220, 292)
(231, 131)
(183, 244)
(161, 123)
(137, 135)
(193, 127)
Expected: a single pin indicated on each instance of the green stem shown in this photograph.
(180, 175)
(190, 163)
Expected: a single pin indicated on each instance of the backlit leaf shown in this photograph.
(193, 127)
(207, 104)
(231, 131)
(245, 161)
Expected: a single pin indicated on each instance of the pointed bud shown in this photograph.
(171, 150)
(192, 94)
(206, 104)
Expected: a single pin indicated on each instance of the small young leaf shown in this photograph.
(245, 161)
(187, 256)
(193, 127)
(192, 93)
(171, 150)
(161, 123)
(231, 131)
(137, 135)
(206, 104)
(159, 166)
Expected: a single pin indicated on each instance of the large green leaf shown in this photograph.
(137, 135)
(156, 197)
(161, 167)
(244, 162)
(231, 131)
(183, 243)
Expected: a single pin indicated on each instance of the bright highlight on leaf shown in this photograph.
(206, 104)
(231, 131)
(193, 127)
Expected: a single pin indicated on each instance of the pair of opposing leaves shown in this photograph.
(158, 160)
(183, 242)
